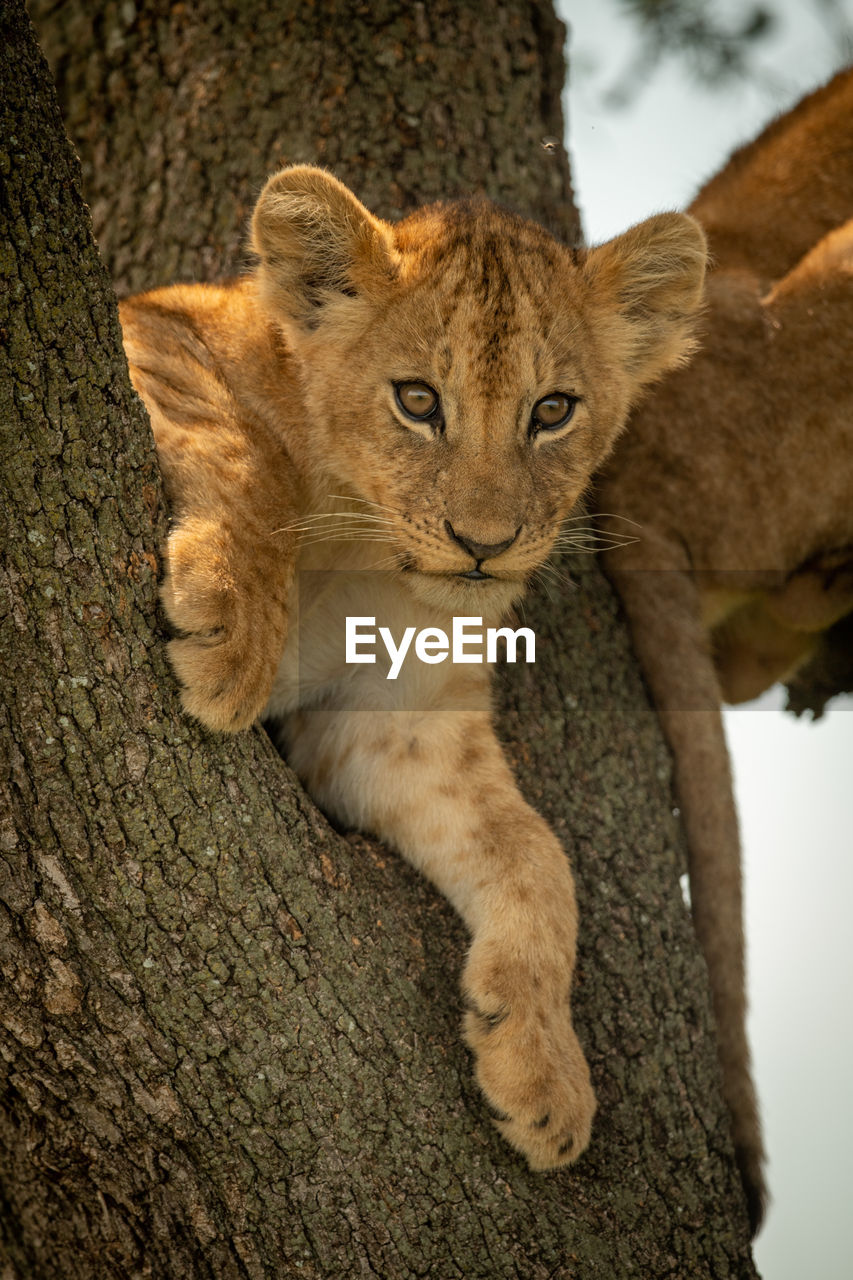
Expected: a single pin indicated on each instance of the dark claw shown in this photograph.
(566, 1146)
(491, 1020)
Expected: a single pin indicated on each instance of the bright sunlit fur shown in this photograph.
(292, 471)
(739, 474)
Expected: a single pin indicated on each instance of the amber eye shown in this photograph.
(552, 411)
(417, 400)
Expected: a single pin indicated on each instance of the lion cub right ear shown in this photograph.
(649, 281)
(317, 244)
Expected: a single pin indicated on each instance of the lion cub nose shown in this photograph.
(480, 550)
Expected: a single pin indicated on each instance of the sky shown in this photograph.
(792, 777)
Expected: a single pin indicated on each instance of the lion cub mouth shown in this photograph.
(473, 590)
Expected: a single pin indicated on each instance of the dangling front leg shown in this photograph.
(436, 785)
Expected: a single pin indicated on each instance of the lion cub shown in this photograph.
(390, 422)
(739, 474)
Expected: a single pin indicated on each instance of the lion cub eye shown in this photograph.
(417, 400)
(552, 412)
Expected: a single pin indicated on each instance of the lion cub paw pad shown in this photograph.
(224, 672)
(536, 1082)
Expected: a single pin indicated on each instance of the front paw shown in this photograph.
(230, 637)
(529, 1063)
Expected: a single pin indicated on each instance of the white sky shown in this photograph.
(793, 778)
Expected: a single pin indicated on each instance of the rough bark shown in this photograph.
(229, 1034)
(405, 102)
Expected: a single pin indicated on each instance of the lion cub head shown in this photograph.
(464, 370)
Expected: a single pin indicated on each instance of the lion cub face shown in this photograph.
(463, 372)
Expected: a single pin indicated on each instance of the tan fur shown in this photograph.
(781, 193)
(293, 474)
(739, 473)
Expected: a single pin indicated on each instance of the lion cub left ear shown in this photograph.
(653, 277)
(317, 243)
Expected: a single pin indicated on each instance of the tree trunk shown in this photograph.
(179, 113)
(230, 1035)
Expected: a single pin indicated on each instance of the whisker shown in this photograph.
(593, 534)
(391, 562)
(600, 515)
(591, 542)
(589, 551)
(348, 531)
(349, 519)
(560, 576)
(545, 577)
(540, 580)
(563, 576)
(380, 506)
(346, 537)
